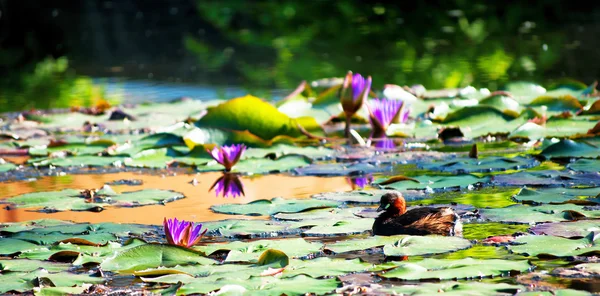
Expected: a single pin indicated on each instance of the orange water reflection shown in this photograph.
(194, 207)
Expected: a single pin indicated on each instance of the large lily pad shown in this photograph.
(488, 164)
(569, 229)
(341, 169)
(535, 214)
(447, 269)
(261, 165)
(252, 228)
(10, 246)
(23, 282)
(585, 165)
(250, 251)
(546, 178)
(457, 288)
(329, 227)
(538, 197)
(252, 114)
(71, 199)
(402, 245)
(482, 120)
(26, 265)
(535, 245)
(324, 267)
(81, 252)
(366, 196)
(273, 206)
(439, 183)
(152, 255)
(78, 161)
(568, 148)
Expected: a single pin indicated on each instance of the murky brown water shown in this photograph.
(194, 207)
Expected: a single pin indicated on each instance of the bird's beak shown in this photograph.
(381, 208)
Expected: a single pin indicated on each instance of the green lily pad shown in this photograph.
(84, 253)
(540, 197)
(324, 267)
(558, 104)
(482, 120)
(332, 227)
(487, 164)
(151, 158)
(534, 214)
(71, 199)
(152, 255)
(501, 102)
(72, 148)
(424, 245)
(261, 165)
(447, 269)
(252, 228)
(10, 246)
(6, 166)
(23, 282)
(569, 148)
(32, 224)
(252, 114)
(270, 207)
(535, 245)
(58, 291)
(585, 165)
(457, 288)
(53, 237)
(523, 90)
(481, 231)
(317, 214)
(78, 161)
(340, 169)
(365, 196)
(280, 150)
(569, 229)
(250, 251)
(26, 265)
(438, 183)
(547, 178)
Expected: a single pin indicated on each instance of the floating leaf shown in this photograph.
(488, 164)
(501, 102)
(585, 165)
(456, 288)
(78, 161)
(366, 197)
(273, 258)
(439, 182)
(152, 255)
(250, 251)
(558, 104)
(53, 237)
(424, 245)
(534, 214)
(535, 245)
(273, 206)
(569, 148)
(324, 267)
(252, 114)
(447, 269)
(482, 120)
(570, 229)
(539, 197)
(26, 265)
(262, 165)
(23, 282)
(253, 228)
(10, 246)
(340, 169)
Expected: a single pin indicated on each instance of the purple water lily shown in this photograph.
(228, 185)
(354, 92)
(383, 112)
(182, 233)
(228, 156)
(360, 182)
(385, 144)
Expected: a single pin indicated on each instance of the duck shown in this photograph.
(418, 221)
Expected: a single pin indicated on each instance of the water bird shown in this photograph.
(418, 221)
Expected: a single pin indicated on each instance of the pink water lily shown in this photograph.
(382, 113)
(228, 156)
(182, 233)
(354, 92)
(228, 185)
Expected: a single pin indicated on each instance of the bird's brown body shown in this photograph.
(419, 221)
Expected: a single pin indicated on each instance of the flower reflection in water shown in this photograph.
(228, 185)
(360, 182)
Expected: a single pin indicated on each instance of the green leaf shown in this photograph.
(10, 246)
(457, 288)
(534, 214)
(252, 114)
(535, 245)
(331, 227)
(447, 269)
(343, 246)
(31, 224)
(356, 196)
(86, 253)
(559, 103)
(23, 282)
(6, 166)
(261, 165)
(71, 199)
(273, 258)
(585, 165)
(569, 229)
(524, 90)
(481, 120)
(78, 161)
(501, 102)
(424, 245)
(273, 206)
(539, 197)
(324, 267)
(570, 148)
(437, 182)
(253, 228)
(53, 237)
(26, 265)
(151, 256)
(487, 164)
(250, 251)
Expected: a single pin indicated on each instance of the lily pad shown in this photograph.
(26, 265)
(547, 178)
(6, 166)
(424, 245)
(261, 165)
(250, 251)
(568, 148)
(252, 228)
(82, 253)
(570, 229)
(324, 267)
(540, 197)
(328, 227)
(488, 164)
(273, 206)
(439, 183)
(53, 237)
(535, 245)
(71, 199)
(585, 165)
(457, 288)
(279, 150)
(78, 161)
(482, 120)
(448, 269)
(152, 255)
(534, 214)
(341, 169)
(10, 246)
(23, 282)
(252, 114)
(366, 196)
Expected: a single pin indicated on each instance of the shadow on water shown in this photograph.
(196, 205)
